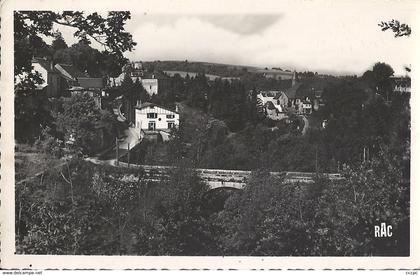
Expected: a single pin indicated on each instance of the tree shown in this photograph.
(83, 124)
(179, 226)
(29, 29)
(396, 27)
(58, 43)
(379, 78)
(108, 32)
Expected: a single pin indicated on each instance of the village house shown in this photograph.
(305, 107)
(272, 112)
(150, 85)
(289, 96)
(81, 83)
(150, 117)
(54, 85)
(269, 96)
(135, 70)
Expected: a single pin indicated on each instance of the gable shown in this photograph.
(153, 108)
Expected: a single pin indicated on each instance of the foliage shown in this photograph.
(396, 27)
(179, 226)
(83, 124)
(107, 31)
(80, 208)
(32, 108)
(64, 211)
(328, 218)
(32, 114)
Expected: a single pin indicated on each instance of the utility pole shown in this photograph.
(316, 160)
(116, 151)
(364, 154)
(128, 154)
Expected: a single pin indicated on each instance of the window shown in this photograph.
(152, 125)
(170, 116)
(171, 125)
(151, 115)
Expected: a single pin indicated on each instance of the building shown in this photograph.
(150, 85)
(81, 83)
(273, 112)
(293, 101)
(270, 96)
(306, 107)
(136, 73)
(151, 117)
(282, 99)
(54, 85)
(70, 73)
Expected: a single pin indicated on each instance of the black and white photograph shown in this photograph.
(246, 133)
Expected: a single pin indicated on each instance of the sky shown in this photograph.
(333, 37)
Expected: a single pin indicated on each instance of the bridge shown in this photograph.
(237, 179)
(214, 178)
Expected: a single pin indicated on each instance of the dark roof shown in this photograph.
(278, 95)
(91, 82)
(270, 105)
(146, 104)
(73, 71)
(270, 93)
(47, 65)
(291, 92)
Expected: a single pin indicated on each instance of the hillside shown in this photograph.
(223, 70)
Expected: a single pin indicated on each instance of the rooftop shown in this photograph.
(149, 104)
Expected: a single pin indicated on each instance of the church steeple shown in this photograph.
(294, 78)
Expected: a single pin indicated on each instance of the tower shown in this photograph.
(294, 77)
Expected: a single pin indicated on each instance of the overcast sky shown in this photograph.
(338, 37)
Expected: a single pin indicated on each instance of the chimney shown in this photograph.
(176, 108)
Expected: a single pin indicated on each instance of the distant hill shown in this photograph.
(222, 70)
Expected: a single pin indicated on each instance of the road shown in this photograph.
(133, 137)
(306, 124)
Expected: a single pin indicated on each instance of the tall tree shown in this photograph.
(107, 31)
(82, 123)
(58, 43)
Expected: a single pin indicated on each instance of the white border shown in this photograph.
(7, 210)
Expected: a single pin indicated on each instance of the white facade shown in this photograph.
(265, 97)
(150, 85)
(152, 117)
(116, 81)
(307, 107)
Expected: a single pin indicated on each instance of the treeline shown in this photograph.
(197, 67)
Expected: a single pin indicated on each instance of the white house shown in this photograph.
(150, 85)
(151, 117)
(306, 107)
(270, 96)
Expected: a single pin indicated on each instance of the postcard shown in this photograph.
(209, 135)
